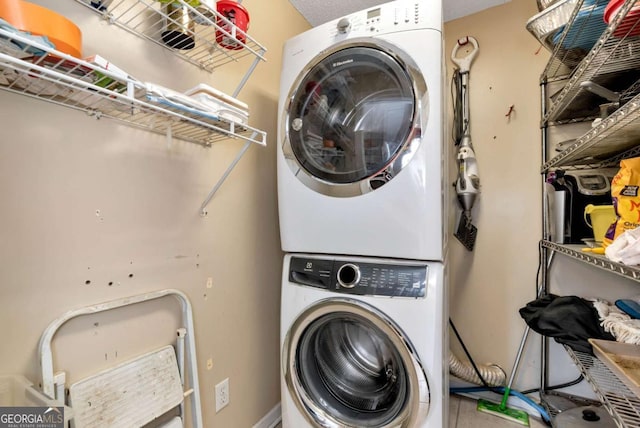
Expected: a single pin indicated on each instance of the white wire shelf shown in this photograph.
(199, 46)
(612, 140)
(575, 251)
(613, 62)
(38, 71)
(622, 404)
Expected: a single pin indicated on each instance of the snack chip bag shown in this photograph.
(625, 195)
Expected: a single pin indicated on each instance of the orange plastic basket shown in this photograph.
(40, 21)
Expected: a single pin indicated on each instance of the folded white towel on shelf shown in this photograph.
(224, 105)
(200, 103)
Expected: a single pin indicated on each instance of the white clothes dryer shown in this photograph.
(363, 343)
(361, 158)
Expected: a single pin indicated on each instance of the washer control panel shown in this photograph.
(349, 277)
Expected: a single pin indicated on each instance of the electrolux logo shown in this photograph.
(31, 417)
(339, 63)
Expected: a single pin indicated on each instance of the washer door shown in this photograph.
(352, 119)
(347, 365)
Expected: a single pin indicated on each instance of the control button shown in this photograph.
(348, 275)
(344, 25)
(590, 415)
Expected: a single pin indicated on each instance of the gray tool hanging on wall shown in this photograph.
(467, 181)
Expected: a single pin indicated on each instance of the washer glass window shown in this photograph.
(351, 115)
(349, 367)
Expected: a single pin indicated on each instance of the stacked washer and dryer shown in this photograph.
(362, 192)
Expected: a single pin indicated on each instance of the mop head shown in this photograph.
(518, 416)
(466, 232)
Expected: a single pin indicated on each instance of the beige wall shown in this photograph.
(498, 277)
(59, 167)
(86, 200)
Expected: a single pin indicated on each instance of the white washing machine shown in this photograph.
(363, 343)
(361, 159)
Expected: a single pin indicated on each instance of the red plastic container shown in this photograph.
(629, 25)
(238, 15)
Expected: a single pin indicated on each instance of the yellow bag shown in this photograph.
(625, 195)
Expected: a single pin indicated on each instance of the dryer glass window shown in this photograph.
(351, 115)
(350, 368)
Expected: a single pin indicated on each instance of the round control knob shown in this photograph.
(343, 25)
(296, 124)
(348, 275)
(590, 415)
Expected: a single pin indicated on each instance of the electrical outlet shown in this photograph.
(222, 394)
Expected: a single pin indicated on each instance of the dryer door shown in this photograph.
(351, 120)
(347, 365)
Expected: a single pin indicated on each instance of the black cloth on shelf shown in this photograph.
(570, 320)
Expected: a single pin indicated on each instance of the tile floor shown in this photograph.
(463, 414)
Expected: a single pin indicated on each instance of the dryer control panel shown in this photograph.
(349, 277)
(386, 18)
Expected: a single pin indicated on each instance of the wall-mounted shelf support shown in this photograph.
(243, 150)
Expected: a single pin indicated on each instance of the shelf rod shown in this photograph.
(213, 191)
(247, 74)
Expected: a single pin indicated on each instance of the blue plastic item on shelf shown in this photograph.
(629, 307)
(587, 27)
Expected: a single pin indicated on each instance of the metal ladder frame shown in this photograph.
(53, 384)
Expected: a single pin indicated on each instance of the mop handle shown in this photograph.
(464, 63)
(505, 398)
(507, 389)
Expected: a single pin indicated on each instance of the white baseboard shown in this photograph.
(271, 419)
